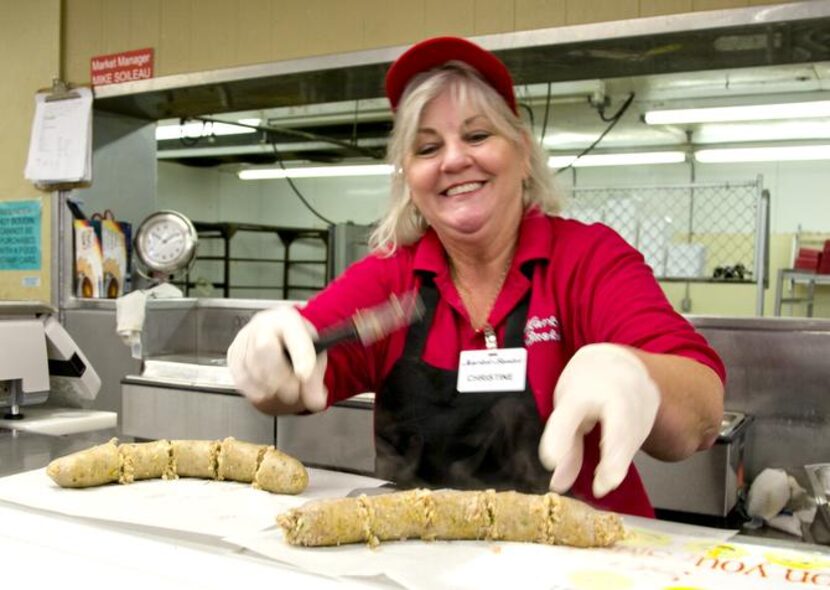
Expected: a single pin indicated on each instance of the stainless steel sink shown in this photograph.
(706, 483)
(730, 424)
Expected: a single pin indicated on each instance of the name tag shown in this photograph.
(500, 369)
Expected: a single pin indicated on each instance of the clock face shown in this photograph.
(166, 242)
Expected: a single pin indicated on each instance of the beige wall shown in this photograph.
(195, 35)
(30, 59)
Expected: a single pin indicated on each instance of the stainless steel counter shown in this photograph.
(24, 451)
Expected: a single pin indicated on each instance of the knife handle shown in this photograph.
(329, 337)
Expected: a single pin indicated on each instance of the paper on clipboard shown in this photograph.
(60, 148)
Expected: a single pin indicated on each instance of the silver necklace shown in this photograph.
(466, 296)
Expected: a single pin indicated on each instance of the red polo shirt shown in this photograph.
(586, 285)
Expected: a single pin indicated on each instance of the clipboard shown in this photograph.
(60, 146)
(60, 91)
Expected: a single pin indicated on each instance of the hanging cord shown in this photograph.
(273, 143)
(615, 118)
(295, 189)
(529, 112)
(521, 96)
(349, 148)
(354, 121)
(545, 118)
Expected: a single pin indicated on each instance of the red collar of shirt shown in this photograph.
(534, 244)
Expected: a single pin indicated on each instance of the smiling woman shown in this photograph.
(465, 178)
(485, 111)
(473, 226)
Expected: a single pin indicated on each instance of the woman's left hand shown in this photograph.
(606, 384)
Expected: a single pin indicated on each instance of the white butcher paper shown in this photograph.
(203, 506)
(658, 555)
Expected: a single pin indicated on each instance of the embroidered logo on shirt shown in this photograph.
(542, 330)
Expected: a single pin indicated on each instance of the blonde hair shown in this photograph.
(403, 224)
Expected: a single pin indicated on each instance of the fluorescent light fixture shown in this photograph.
(762, 132)
(758, 112)
(195, 129)
(316, 172)
(570, 140)
(250, 121)
(622, 159)
(201, 150)
(764, 154)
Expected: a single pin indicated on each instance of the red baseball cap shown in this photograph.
(437, 51)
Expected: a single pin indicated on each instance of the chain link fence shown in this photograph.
(693, 232)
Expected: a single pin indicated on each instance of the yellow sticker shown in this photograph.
(584, 580)
(797, 560)
(726, 551)
(700, 546)
(644, 538)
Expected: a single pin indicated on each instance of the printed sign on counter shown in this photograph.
(126, 66)
(20, 235)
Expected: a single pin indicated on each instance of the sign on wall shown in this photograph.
(126, 66)
(20, 235)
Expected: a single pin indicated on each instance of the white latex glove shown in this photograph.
(260, 369)
(603, 383)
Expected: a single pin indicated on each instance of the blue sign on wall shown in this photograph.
(20, 235)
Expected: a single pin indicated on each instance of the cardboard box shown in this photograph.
(114, 238)
(824, 260)
(89, 271)
(808, 259)
(686, 261)
(655, 234)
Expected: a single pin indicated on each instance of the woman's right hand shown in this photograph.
(263, 372)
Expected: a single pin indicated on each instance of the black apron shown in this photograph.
(427, 434)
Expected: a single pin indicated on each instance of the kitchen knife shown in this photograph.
(374, 323)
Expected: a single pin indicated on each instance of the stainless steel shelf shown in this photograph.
(287, 235)
(793, 277)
